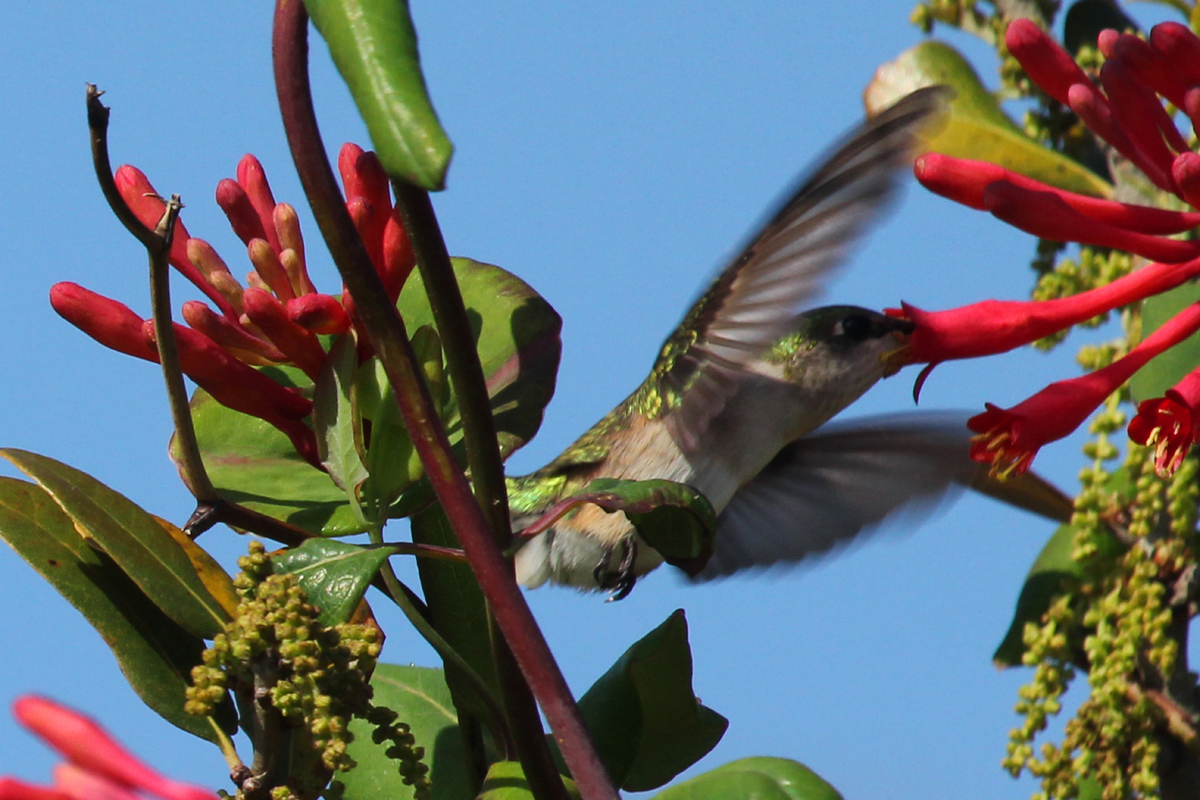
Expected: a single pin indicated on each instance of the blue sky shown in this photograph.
(612, 155)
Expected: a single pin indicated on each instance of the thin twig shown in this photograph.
(390, 341)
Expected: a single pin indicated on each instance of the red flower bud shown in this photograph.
(1180, 48)
(318, 313)
(148, 207)
(242, 344)
(1148, 64)
(1096, 113)
(1044, 61)
(110, 323)
(1141, 115)
(363, 176)
(398, 256)
(1009, 439)
(964, 181)
(88, 746)
(1186, 172)
(270, 269)
(80, 784)
(244, 220)
(253, 179)
(13, 789)
(300, 346)
(1045, 214)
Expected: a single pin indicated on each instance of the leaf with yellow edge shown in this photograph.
(976, 127)
(212, 574)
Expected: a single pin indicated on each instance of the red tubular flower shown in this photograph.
(1046, 215)
(1146, 62)
(996, 326)
(302, 348)
(1009, 439)
(148, 207)
(270, 269)
(110, 323)
(398, 256)
(1170, 424)
(79, 784)
(244, 220)
(964, 181)
(1180, 48)
(90, 749)
(253, 180)
(1186, 172)
(242, 344)
(318, 313)
(1141, 115)
(13, 789)
(1044, 61)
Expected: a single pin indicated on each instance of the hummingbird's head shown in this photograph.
(835, 353)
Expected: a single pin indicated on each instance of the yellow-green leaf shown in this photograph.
(976, 127)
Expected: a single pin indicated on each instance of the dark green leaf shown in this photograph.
(457, 609)
(374, 47)
(339, 438)
(333, 574)
(516, 332)
(132, 538)
(253, 464)
(1166, 370)
(419, 695)
(1053, 572)
(506, 781)
(643, 715)
(976, 126)
(673, 518)
(155, 654)
(758, 778)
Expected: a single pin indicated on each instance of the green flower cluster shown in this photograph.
(277, 654)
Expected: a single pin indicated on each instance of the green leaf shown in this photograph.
(673, 518)
(976, 127)
(506, 781)
(419, 695)
(132, 538)
(374, 47)
(643, 715)
(457, 609)
(251, 463)
(339, 438)
(155, 654)
(516, 333)
(1053, 572)
(1169, 368)
(333, 574)
(759, 778)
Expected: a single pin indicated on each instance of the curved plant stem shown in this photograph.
(390, 341)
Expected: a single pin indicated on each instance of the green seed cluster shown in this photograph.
(1068, 277)
(413, 771)
(1121, 619)
(315, 677)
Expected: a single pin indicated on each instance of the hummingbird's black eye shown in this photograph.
(854, 328)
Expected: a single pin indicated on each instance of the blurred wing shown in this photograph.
(829, 486)
(751, 302)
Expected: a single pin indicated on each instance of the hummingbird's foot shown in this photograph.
(621, 580)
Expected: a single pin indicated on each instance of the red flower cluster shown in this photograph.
(275, 319)
(1126, 111)
(97, 767)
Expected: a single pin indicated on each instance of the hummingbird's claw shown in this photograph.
(622, 579)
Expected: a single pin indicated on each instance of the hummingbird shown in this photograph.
(735, 403)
